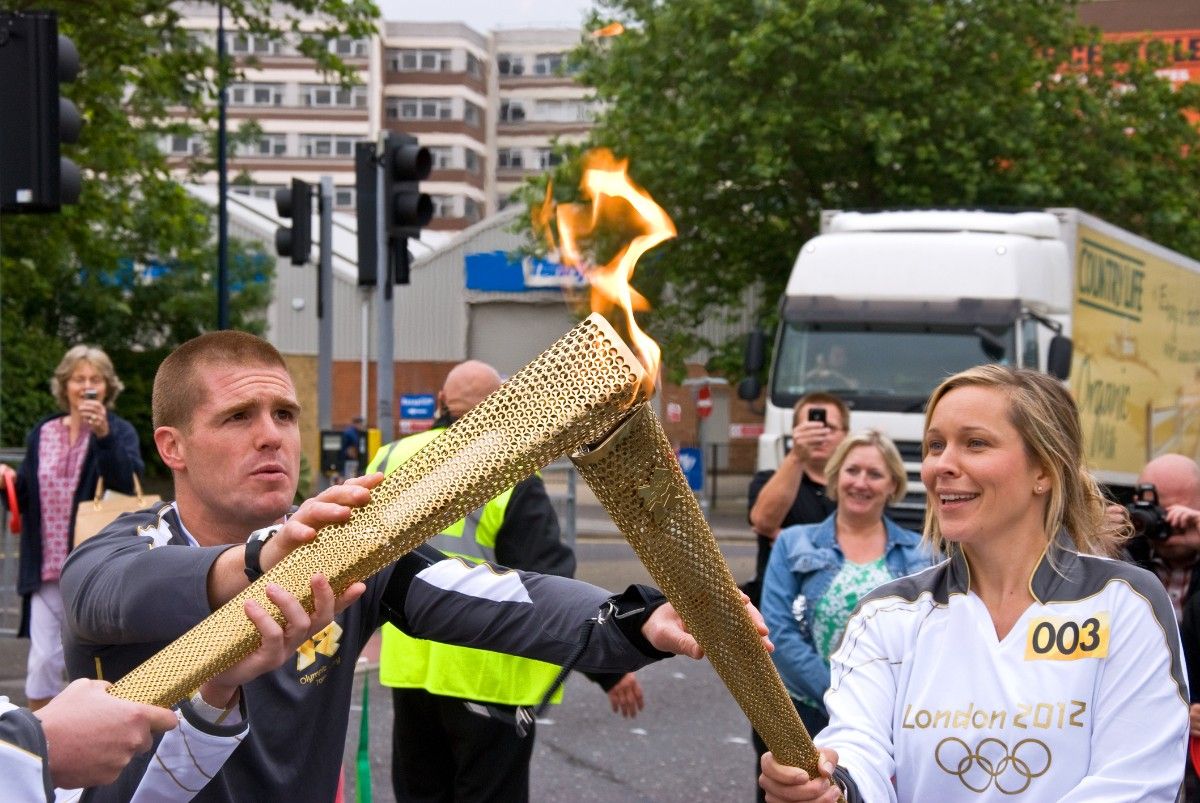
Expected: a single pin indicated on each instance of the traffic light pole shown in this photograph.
(222, 181)
(384, 371)
(325, 309)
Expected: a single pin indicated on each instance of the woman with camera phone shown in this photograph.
(66, 455)
(1028, 665)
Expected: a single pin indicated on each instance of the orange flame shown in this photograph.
(611, 29)
(615, 200)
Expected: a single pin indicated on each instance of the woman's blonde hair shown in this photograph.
(887, 450)
(1045, 415)
(66, 366)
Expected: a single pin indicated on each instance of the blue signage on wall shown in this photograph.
(495, 272)
(417, 405)
(691, 460)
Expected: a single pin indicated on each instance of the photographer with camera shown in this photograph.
(1165, 515)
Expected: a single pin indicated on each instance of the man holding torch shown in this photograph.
(226, 424)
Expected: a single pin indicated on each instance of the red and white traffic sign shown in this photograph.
(704, 402)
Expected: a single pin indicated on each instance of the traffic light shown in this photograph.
(405, 164)
(295, 203)
(34, 120)
(366, 203)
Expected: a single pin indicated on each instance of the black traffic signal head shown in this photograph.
(366, 197)
(405, 164)
(295, 203)
(34, 60)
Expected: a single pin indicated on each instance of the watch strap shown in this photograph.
(254, 545)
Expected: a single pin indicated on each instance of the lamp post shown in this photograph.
(222, 181)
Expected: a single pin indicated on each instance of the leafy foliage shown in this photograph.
(132, 266)
(745, 118)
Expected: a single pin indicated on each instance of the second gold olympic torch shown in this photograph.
(635, 475)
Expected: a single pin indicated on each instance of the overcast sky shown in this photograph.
(484, 15)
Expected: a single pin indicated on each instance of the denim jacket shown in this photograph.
(803, 564)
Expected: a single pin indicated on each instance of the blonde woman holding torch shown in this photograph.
(1027, 665)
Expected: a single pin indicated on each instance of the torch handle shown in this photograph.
(637, 479)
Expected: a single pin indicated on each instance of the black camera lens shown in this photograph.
(1149, 521)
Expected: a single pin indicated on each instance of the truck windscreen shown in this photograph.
(888, 367)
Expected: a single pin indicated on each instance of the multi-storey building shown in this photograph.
(488, 106)
(537, 101)
(309, 126)
(437, 86)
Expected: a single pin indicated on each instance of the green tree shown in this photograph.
(745, 118)
(132, 266)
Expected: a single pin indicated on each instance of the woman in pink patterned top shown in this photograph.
(66, 454)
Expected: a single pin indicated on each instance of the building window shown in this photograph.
(265, 191)
(512, 111)
(332, 96)
(186, 144)
(443, 206)
(547, 158)
(418, 108)
(348, 47)
(256, 95)
(245, 44)
(474, 65)
(443, 157)
(472, 160)
(562, 111)
(327, 145)
(267, 145)
(510, 157)
(343, 197)
(419, 60)
(510, 64)
(472, 115)
(547, 63)
(472, 209)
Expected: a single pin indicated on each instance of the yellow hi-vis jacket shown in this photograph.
(444, 669)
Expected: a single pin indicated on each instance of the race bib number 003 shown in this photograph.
(1061, 638)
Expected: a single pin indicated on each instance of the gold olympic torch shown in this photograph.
(572, 394)
(635, 475)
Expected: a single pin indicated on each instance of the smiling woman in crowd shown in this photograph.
(818, 572)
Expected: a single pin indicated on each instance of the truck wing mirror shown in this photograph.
(749, 388)
(1058, 359)
(756, 347)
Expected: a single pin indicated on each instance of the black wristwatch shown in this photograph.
(254, 545)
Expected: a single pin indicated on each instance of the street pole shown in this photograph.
(222, 181)
(384, 370)
(325, 309)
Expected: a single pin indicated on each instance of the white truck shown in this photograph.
(880, 307)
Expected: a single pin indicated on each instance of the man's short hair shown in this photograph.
(826, 399)
(177, 386)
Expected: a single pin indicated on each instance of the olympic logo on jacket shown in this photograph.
(991, 761)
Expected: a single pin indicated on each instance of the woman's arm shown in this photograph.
(119, 456)
(801, 666)
(1140, 723)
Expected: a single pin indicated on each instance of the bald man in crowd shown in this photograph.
(455, 734)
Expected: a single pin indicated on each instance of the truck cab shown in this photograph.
(881, 307)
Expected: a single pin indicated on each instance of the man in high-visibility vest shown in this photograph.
(454, 736)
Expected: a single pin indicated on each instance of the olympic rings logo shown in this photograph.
(992, 762)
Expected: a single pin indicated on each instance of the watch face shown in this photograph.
(264, 534)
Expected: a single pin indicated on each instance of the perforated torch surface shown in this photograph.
(637, 479)
(572, 394)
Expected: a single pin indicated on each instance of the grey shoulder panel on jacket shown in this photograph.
(940, 581)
